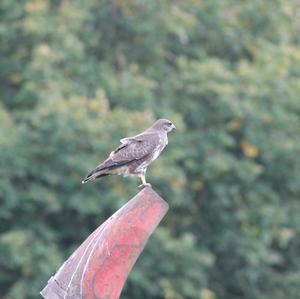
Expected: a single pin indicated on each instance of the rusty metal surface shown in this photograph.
(99, 267)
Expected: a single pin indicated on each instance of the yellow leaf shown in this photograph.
(285, 233)
(15, 78)
(37, 6)
(197, 185)
(44, 49)
(207, 294)
(233, 125)
(248, 149)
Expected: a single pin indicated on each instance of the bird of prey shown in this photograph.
(134, 154)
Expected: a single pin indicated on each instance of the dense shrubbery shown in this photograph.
(76, 76)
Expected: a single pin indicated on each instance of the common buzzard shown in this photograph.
(134, 154)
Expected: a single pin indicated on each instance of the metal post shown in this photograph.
(100, 266)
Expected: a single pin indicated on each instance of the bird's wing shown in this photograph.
(140, 137)
(135, 148)
(131, 149)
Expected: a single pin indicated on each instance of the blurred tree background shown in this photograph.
(76, 76)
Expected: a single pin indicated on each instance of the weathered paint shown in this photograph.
(99, 268)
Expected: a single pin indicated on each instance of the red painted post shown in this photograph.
(99, 267)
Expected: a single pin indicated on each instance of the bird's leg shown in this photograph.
(144, 183)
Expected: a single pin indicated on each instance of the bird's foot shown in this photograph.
(142, 186)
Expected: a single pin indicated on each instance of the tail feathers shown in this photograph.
(108, 167)
(94, 175)
(87, 179)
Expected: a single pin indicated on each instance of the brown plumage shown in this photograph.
(134, 154)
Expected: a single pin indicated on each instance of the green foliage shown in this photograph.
(76, 76)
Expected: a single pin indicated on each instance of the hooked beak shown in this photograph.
(173, 127)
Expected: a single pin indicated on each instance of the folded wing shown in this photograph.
(131, 149)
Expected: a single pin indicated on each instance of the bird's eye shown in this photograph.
(169, 124)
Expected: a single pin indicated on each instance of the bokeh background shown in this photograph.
(76, 76)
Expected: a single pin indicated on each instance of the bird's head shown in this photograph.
(164, 124)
